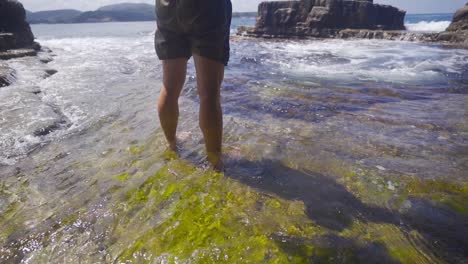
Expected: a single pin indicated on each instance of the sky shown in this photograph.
(411, 6)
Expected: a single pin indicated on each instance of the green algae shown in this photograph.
(372, 188)
(183, 214)
(395, 241)
(125, 130)
(170, 155)
(135, 150)
(205, 217)
(450, 194)
(9, 221)
(417, 186)
(69, 219)
(122, 177)
(364, 183)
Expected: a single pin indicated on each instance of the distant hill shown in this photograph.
(128, 7)
(52, 16)
(244, 14)
(118, 13)
(28, 13)
(111, 13)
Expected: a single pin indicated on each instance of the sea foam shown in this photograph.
(428, 26)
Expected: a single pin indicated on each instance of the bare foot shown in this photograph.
(216, 161)
(172, 145)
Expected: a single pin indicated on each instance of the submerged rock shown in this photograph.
(6, 75)
(50, 72)
(323, 18)
(45, 118)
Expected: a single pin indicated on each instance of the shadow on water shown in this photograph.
(332, 206)
(335, 249)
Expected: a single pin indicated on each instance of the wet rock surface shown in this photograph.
(17, 53)
(338, 152)
(316, 18)
(6, 75)
(27, 102)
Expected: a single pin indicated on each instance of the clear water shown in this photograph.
(336, 151)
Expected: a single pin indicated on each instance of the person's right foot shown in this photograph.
(216, 160)
(172, 146)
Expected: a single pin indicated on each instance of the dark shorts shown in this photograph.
(193, 26)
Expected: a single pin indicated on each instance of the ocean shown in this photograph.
(428, 22)
(336, 151)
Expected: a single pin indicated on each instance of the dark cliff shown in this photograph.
(15, 32)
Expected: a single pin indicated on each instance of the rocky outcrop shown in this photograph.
(16, 37)
(457, 33)
(13, 20)
(460, 20)
(323, 18)
(347, 19)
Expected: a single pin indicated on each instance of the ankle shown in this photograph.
(172, 145)
(215, 158)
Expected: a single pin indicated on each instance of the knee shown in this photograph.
(168, 96)
(210, 100)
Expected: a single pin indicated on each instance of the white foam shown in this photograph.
(428, 26)
(366, 60)
(86, 88)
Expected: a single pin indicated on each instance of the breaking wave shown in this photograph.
(428, 26)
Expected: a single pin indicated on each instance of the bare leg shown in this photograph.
(174, 72)
(210, 75)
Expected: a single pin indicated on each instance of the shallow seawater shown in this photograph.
(336, 152)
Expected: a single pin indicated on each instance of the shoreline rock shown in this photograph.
(18, 53)
(324, 18)
(283, 23)
(16, 37)
(457, 33)
(6, 75)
